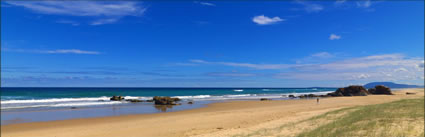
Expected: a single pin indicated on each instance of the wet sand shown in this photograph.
(217, 119)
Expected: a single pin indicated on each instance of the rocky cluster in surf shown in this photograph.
(157, 100)
(351, 91)
(165, 100)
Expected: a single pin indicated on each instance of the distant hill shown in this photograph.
(391, 85)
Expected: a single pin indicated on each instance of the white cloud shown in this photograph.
(230, 74)
(316, 58)
(205, 3)
(364, 4)
(323, 55)
(74, 23)
(362, 76)
(384, 60)
(247, 65)
(70, 51)
(340, 1)
(264, 20)
(313, 7)
(310, 7)
(198, 61)
(385, 67)
(421, 64)
(101, 10)
(58, 51)
(104, 21)
(401, 70)
(334, 37)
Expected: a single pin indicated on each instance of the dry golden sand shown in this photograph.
(219, 119)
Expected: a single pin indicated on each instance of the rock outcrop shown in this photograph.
(265, 99)
(165, 100)
(308, 96)
(380, 90)
(133, 100)
(117, 98)
(353, 91)
(350, 91)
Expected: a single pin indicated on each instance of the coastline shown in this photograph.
(216, 119)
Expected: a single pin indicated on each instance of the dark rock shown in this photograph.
(117, 98)
(410, 93)
(312, 95)
(265, 99)
(382, 90)
(324, 96)
(350, 91)
(133, 100)
(165, 100)
(190, 102)
(308, 96)
(363, 94)
(291, 96)
(150, 100)
(371, 90)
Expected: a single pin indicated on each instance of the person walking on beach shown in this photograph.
(317, 100)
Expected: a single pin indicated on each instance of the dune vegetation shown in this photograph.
(403, 118)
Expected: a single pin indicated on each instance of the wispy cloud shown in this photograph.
(74, 23)
(317, 58)
(364, 4)
(57, 51)
(70, 51)
(247, 65)
(338, 2)
(378, 67)
(205, 3)
(161, 74)
(230, 74)
(104, 21)
(323, 55)
(334, 37)
(264, 20)
(310, 7)
(104, 11)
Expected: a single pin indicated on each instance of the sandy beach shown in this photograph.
(218, 119)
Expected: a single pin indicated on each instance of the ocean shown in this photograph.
(19, 105)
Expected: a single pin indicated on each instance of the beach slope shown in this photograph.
(233, 118)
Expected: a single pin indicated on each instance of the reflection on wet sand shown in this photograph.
(163, 108)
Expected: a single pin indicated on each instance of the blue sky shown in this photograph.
(211, 43)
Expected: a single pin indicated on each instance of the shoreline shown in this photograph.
(216, 119)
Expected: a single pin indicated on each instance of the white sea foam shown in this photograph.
(70, 104)
(235, 96)
(136, 97)
(193, 97)
(238, 90)
(52, 100)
